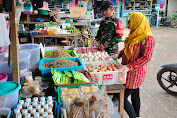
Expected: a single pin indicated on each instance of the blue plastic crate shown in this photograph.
(58, 110)
(47, 72)
(54, 110)
(34, 33)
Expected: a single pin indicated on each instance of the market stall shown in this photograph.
(127, 6)
(59, 83)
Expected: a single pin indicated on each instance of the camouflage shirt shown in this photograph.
(107, 35)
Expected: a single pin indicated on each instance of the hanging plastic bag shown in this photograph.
(4, 37)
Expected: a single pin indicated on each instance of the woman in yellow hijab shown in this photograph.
(138, 50)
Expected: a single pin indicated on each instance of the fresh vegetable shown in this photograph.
(71, 29)
(52, 24)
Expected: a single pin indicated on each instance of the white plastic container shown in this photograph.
(107, 78)
(34, 50)
(5, 111)
(24, 62)
(9, 92)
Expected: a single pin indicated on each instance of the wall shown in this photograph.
(172, 7)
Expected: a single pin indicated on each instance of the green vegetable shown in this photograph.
(71, 29)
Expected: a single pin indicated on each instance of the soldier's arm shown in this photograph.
(119, 31)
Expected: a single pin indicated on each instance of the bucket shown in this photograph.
(5, 111)
(3, 77)
(34, 50)
(9, 92)
(24, 62)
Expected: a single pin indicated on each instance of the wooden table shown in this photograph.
(119, 88)
(66, 36)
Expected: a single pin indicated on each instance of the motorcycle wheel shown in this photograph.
(174, 23)
(169, 83)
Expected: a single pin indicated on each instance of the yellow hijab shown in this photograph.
(140, 29)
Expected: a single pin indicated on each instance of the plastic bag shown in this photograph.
(79, 77)
(68, 74)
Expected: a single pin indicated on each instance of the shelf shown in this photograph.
(32, 22)
(143, 6)
(35, 14)
(128, 6)
(142, 1)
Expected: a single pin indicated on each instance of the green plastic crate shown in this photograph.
(51, 90)
(73, 86)
(71, 52)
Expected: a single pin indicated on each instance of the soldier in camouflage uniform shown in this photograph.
(110, 30)
(109, 34)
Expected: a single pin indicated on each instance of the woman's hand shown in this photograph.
(113, 56)
(101, 47)
(94, 42)
(123, 68)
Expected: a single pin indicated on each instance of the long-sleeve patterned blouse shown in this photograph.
(137, 63)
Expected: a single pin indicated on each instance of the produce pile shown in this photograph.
(85, 50)
(67, 77)
(52, 24)
(57, 53)
(97, 56)
(71, 29)
(97, 105)
(59, 63)
(106, 68)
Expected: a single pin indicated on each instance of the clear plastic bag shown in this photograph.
(91, 105)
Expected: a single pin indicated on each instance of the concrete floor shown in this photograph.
(155, 102)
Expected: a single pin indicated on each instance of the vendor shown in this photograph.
(137, 53)
(110, 31)
(109, 34)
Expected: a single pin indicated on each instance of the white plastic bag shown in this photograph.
(4, 37)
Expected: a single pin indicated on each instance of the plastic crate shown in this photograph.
(58, 110)
(71, 52)
(73, 86)
(51, 91)
(107, 78)
(52, 31)
(43, 32)
(47, 72)
(86, 73)
(54, 110)
(34, 33)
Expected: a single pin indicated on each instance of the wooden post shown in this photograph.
(14, 43)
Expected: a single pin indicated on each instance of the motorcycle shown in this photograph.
(169, 20)
(174, 21)
(167, 78)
